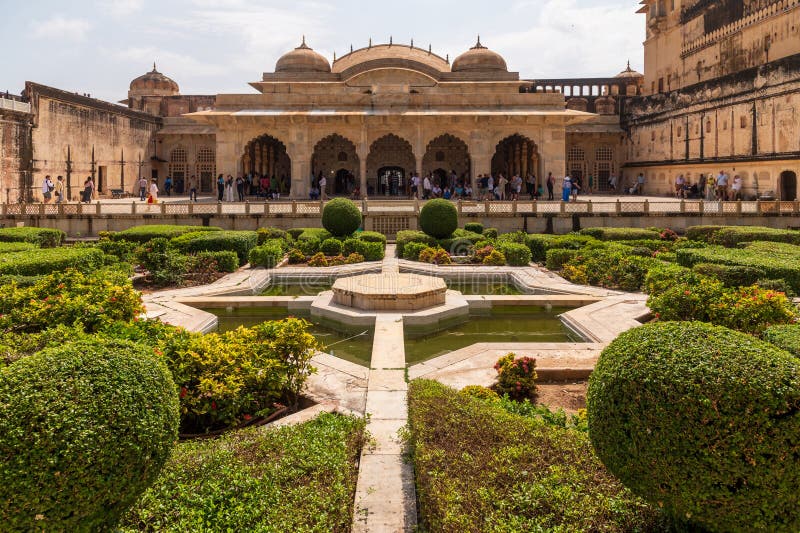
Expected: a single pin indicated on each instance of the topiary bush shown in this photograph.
(412, 250)
(703, 422)
(240, 242)
(732, 236)
(372, 251)
(268, 234)
(516, 254)
(331, 247)
(45, 261)
(341, 217)
(406, 236)
(42, 237)
(474, 227)
(163, 262)
(371, 236)
(438, 218)
(85, 428)
(557, 258)
(223, 261)
(731, 276)
(621, 234)
(142, 234)
(267, 256)
(490, 233)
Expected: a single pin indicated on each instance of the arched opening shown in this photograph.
(389, 165)
(266, 161)
(335, 158)
(788, 186)
(514, 155)
(206, 168)
(178, 165)
(447, 159)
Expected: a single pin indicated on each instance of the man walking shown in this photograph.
(47, 189)
(193, 189)
(551, 184)
(59, 189)
(142, 189)
(323, 188)
(640, 184)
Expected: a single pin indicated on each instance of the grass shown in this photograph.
(297, 478)
(480, 468)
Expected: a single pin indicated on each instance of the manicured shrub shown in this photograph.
(48, 260)
(296, 257)
(85, 428)
(457, 246)
(490, 233)
(341, 217)
(752, 309)
(516, 377)
(495, 258)
(662, 277)
(557, 258)
(307, 473)
(268, 234)
(480, 393)
(540, 244)
(412, 250)
(702, 421)
(11, 247)
(613, 267)
(732, 236)
(267, 256)
(406, 236)
(331, 247)
(165, 264)
(42, 237)
(686, 299)
(786, 337)
(240, 242)
(309, 245)
(354, 258)
(142, 234)
(219, 261)
(731, 276)
(294, 233)
(319, 260)
(516, 254)
(337, 260)
(371, 236)
(518, 237)
(470, 236)
(122, 250)
(702, 233)
(438, 218)
(372, 251)
(621, 234)
(435, 256)
(480, 468)
(474, 227)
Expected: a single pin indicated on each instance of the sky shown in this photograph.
(218, 46)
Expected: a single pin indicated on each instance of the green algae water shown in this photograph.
(296, 289)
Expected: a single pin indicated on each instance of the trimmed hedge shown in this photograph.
(341, 217)
(516, 254)
(621, 234)
(731, 276)
(11, 247)
(540, 244)
(731, 236)
(142, 234)
(49, 260)
(331, 247)
(474, 227)
(785, 337)
(371, 236)
(240, 242)
(412, 250)
(406, 236)
(372, 251)
(226, 261)
(438, 218)
(703, 421)
(268, 255)
(702, 233)
(43, 237)
(268, 234)
(85, 428)
(557, 258)
(480, 468)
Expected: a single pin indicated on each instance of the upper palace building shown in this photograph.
(720, 91)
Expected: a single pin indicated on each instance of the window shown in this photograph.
(178, 164)
(439, 156)
(743, 122)
(708, 126)
(576, 153)
(680, 132)
(604, 153)
(206, 168)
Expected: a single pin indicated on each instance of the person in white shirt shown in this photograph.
(323, 188)
(47, 189)
(426, 188)
(154, 192)
(501, 185)
(680, 181)
(722, 186)
(736, 188)
(490, 193)
(414, 186)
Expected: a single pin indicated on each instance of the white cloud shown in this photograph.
(122, 8)
(172, 64)
(61, 28)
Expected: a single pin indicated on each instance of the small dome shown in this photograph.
(302, 59)
(629, 73)
(154, 84)
(479, 59)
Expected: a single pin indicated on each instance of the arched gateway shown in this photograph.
(266, 157)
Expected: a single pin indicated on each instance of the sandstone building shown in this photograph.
(720, 91)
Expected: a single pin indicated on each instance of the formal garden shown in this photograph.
(113, 421)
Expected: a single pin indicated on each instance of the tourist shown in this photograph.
(640, 184)
(501, 186)
(551, 185)
(516, 187)
(193, 189)
(426, 188)
(468, 191)
(447, 194)
(591, 184)
(220, 187)
(47, 189)
(142, 188)
(612, 182)
(153, 198)
(229, 188)
(436, 192)
(722, 186)
(530, 186)
(736, 188)
(88, 190)
(240, 188)
(168, 185)
(680, 181)
(313, 194)
(566, 189)
(701, 185)
(356, 193)
(491, 190)
(323, 187)
(59, 189)
(576, 187)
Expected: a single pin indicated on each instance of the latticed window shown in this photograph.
(604, 153)
(178, 164)
(576, 153)
(206, 168)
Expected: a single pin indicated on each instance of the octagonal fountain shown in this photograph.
(390, 292)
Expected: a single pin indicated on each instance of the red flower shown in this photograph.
(184, 392)
(248, 417)
(687, 293)
(213, 406)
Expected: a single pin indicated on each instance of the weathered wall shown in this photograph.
(15, 149)
(80, 136)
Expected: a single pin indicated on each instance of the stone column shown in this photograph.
(362, 174)
(553, 150)
(524, 168)
(227, 157)
(301, 171)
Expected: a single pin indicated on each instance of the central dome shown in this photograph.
(302, 59)
(153, 83)
(480, 59)
(392, 55)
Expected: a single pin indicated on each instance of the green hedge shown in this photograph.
(372, 251)
(268, 234)
(516, 254)
(294, 478)
(557, 258)
(438, 218)
(267, 255)
(43, 237)
(240, 242)
(371, 236)
(540, 244)
(702, 233)
(331, 247)
(731, 236)
(11, 247)
(143, 234)
(731, 276)
(225, 261)
(474, 227)
(85, 428)
(412, 249)
(621, 234)
(479, 468)
(341, 217)
(777, 260)
(48, 260)
(703, 421)
(406, 236)
(785, 337)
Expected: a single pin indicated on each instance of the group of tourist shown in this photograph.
(720, 188)
(56, 188)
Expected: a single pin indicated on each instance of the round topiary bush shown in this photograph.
(438, 218)
(341, 217)
(702, 421)
(331, 247)
(84, 429)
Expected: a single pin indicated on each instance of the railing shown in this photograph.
(300, 209)
(14, 105)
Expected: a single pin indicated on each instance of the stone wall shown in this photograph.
(77, 136)
(15, 149)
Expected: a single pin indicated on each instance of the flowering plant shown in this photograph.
(516, 377)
